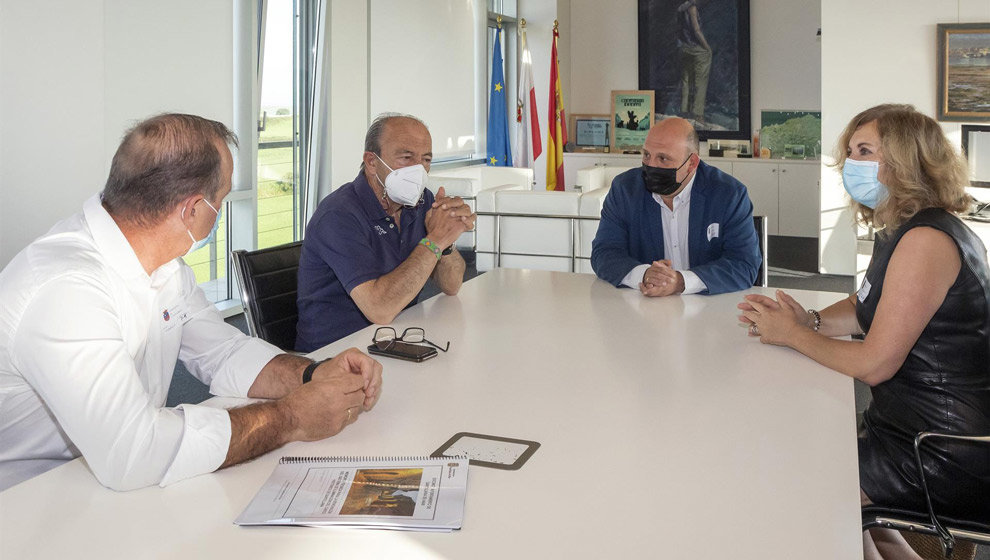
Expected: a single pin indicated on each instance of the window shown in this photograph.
(263, 210)
(278, 147)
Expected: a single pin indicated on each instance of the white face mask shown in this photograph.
(196, 245)
(404, 185)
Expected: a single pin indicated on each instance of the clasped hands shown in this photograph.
(448, 218)
(661, 280)
(341, 389)
(775, 321)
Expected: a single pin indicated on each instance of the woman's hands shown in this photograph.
(775, 321)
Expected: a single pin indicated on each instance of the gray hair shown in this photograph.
(162, 161)
(373, 138)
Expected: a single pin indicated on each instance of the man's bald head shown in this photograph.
(672, 131)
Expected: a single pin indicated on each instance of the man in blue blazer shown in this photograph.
(676, 225)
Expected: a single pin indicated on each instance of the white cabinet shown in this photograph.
(761, 182)
(785, 192)
(798, 202)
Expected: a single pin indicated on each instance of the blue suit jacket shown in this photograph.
(631, 233)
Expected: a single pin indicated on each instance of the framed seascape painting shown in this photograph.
(963, 71)
(695, 55)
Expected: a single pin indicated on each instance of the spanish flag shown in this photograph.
(557, 136)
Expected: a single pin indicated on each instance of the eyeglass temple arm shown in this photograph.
(437, 346)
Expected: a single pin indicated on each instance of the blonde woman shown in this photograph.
(924, 308)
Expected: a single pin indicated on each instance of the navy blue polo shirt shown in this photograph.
(349, 241)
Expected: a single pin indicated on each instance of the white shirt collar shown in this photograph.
(682, 197)
(115, 247)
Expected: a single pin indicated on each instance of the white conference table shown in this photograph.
(666, 432)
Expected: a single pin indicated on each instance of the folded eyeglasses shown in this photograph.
(385, 337)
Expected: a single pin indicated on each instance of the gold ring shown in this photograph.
(348, 415)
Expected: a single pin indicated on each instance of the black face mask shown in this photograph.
(662, 180)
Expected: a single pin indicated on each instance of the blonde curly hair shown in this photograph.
(923, 170)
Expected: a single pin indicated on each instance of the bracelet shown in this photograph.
(308, 372)
(448, 250)
(818, 320)
(425, 242)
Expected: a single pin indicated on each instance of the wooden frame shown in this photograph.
(631, 108)
(589, 147)
(963, 58)
(670, 66)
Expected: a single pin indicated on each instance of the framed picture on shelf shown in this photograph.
(963, 70)
(695, 56)
(632, 117)
(791, 134)
(592, 133)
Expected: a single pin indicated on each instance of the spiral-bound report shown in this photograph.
(404, 493)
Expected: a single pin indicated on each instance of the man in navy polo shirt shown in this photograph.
(372, 244)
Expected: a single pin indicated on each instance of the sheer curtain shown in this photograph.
(314, 103)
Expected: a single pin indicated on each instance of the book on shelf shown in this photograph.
(403, 493)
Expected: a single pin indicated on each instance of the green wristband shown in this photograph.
(425, 242)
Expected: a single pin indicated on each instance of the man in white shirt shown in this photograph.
(94, 314)
(676, 225)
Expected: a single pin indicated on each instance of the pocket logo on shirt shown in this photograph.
(175, 314)
(380, 230)
(712, 231)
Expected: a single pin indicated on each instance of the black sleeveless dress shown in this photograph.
(943, 386)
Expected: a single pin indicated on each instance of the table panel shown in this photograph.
(665, 431)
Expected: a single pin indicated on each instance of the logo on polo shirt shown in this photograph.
(380, 230)
(165, 315)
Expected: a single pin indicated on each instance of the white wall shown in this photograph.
(784, 54)
(874, 53)
(75, 75)
(51, 110)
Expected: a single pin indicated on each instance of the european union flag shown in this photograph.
(499, 149)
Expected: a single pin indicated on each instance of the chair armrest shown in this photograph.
(948, 541)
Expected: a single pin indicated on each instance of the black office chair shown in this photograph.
(947, 529)
(760, 222)
(267, 280)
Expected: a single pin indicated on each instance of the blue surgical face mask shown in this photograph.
(197, 245)
(860, 180)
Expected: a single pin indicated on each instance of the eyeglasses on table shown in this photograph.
(385, 337)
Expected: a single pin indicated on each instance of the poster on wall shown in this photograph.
(632, 116)
(963, 56)
(695, 55)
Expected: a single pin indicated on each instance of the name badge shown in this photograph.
(712, 231)
(864, 290)
(174, 315)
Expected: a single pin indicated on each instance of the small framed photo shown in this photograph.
(963, 71)
(592, 133)
(794, 151)
(632, 117)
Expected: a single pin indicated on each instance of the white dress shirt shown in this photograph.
(675, 242)
(88, 345)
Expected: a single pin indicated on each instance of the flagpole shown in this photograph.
(557, 133)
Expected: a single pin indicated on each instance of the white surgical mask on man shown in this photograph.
(404, 185)
(196, 245)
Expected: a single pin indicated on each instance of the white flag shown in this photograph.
(527, 145)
